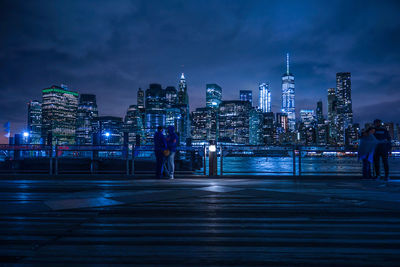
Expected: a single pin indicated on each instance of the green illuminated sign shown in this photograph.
(59, 91)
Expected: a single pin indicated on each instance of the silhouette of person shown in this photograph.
(160, 145)
(382, 150)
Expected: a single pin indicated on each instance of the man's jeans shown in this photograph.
(170, 164)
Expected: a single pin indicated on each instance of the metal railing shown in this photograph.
(137, 160)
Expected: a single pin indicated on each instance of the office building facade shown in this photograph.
(265, 97)
(59, 110)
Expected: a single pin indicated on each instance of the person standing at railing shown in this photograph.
(172, 141)
(382, 149)
(366, 148)
(160, 145)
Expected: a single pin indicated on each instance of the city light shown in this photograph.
(212, 148)
(25, 134)
(107, 134)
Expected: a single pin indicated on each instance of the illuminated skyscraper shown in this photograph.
(265, 97)
(319, 112)
(34, 121)
(140, 99)
(332, 115)
(155, 110)
(344, 104)
(87, 110)
(59, 108)
(213, 95)
(246, 95)
(182, 120)
(288, 96)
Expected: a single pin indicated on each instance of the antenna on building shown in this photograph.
(287, 63)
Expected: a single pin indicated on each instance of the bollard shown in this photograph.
(212, 160)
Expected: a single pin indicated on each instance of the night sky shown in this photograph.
(111, 48)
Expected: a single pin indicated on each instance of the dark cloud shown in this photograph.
(111, 48)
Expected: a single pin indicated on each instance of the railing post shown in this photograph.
(56, 164)
(294, 160)
(205, 161)
(299, 160)
(133, 160)
(221, 164)
(51, 160)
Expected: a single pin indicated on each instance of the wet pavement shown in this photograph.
(198, 222)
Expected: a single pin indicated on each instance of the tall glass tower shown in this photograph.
(288, 96)
(344, 103)
(265, 97)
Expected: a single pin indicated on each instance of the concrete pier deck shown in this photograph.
(200, 222)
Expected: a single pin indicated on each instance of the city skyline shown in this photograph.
(66, 53)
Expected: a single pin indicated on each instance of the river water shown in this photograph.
(309, 166)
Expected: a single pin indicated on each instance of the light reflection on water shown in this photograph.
(284, 165)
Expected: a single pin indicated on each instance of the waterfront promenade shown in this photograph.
(200, 221)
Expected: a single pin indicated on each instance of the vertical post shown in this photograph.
(51, 160)
(127, 162)
(294, 160)
(56, 165)
(133, 159)
(221, 163)
(212, 160)
(299, 160)
(205, 160)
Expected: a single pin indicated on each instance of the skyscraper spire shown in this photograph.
(287, 63)
(182, 76)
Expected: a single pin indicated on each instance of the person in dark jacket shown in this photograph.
(172, 141)
(382, 150)
(160, 145)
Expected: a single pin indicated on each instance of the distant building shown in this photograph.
(307, 117)
(109, 129)
(233, 121)
(86, 112)
(246, 95)
(213, 95)
(344, 104)
(288, 96)
(268, 128)
(140, 99)
(59, 110)
(265, 97)
(319, 113)
(282, 122)
(34, 121)
(204, 124)
(332, 116)
(155, 110)
(133, 125)
(352, 134)
(255, 127)
(171, 96)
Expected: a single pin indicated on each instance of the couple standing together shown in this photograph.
(165, 149)
(375, 144)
